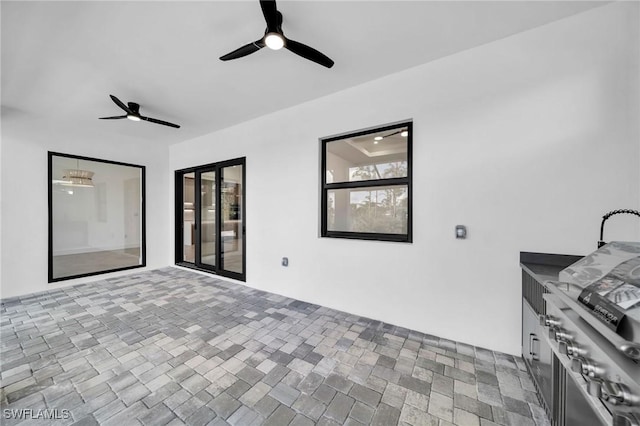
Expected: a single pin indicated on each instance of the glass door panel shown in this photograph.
(189, 219)
(232, 229)
(208, 218)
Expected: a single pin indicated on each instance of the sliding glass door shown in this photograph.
(232, 218)
(210, 226)
(207, 228)
(188, 217)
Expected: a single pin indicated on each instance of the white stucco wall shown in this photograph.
(527, 141)
(24, 205)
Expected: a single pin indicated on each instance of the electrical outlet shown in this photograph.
(285, 261)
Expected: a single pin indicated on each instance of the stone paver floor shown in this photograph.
(175, 347)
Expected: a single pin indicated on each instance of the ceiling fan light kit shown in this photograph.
(275, 39)
(132, 110)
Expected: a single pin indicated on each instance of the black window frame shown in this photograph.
(143, 226)
(218, 269)
(402, 181)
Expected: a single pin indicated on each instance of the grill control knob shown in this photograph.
(617, 394)
(585, 367)
(549, 321)
(559, 334)
(625, 419)
(570, 349)
(575, 350)
(563, 335)
(632, 352)
(591, 370)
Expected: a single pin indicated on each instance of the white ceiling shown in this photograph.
(61, 60)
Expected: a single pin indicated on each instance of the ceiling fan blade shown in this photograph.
(270, 13)
(392, 134)
(165, 123)
(308, 53)
(113, 118)
(121, 104)
(245, 50)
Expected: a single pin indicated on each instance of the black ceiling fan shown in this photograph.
(274, 39)
(133, 113)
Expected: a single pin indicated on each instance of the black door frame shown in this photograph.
(218, 269)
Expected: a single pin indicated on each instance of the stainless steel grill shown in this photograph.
(596, 348)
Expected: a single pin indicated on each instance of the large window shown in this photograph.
(366, 184)
(210, 212)
(96, 216)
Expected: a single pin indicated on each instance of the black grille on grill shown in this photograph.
(532, 291)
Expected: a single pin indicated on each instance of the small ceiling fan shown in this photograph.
(274, 39)
(133, 113)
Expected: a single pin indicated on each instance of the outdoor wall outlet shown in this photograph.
(461, 232)
(285, 261)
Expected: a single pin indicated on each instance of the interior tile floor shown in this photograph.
(68, 265)
(175, 347)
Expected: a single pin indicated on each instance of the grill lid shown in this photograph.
(610, 283)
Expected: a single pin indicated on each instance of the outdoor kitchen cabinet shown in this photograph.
(536, 352)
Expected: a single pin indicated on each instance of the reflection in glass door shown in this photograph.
(188, 218)
(232, 229)
(210, 218)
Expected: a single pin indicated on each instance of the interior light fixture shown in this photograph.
(133, 117)
(77, 177)
(274, 41)
(404, 133)
(377, 138)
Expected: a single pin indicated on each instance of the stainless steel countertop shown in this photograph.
(544, 266)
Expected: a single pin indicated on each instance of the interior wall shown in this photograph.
(527, 141)
(94, 219)
(24, 180)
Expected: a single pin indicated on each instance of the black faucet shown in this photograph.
(607, 216)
